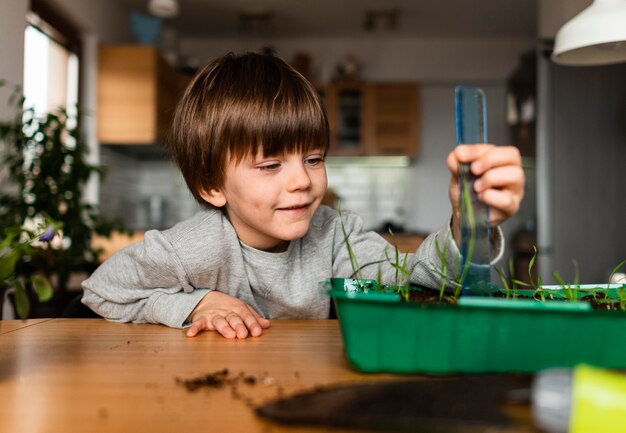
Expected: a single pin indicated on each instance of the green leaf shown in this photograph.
(522, 283)
(502, 276)
(7, 241)
(22, 305)
(616, 268)
(576, 272)
(530, 268)
(42, 287)
(558, 279)
(7, 264)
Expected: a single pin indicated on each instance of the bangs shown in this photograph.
(277, 112)
(279, 128)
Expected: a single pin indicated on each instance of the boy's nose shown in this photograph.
(298, 178)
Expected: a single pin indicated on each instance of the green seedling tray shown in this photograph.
(383, 333)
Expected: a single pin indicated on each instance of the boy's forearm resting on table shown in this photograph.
(143, 283)
(171, 309)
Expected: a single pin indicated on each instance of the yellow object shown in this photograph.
(598, 401)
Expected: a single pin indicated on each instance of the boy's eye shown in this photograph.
(269, 167)
(314, 160)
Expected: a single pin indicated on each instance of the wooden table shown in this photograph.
(72, 375)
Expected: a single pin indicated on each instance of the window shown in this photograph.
(51, 61)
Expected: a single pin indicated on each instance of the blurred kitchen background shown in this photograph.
(387, 72)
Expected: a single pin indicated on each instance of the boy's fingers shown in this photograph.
(500, 200)
(501, 177)
(253, 325)
(222, 326)
(237, 324)
(193, 330)
(197, 327)
(265, 323)
(483, 157)
(470, 152)
(496, 157)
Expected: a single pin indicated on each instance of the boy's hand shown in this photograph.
(227, 315)
(500, 182)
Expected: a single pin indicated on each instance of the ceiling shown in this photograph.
(335, 18)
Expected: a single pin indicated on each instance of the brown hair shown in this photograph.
(237, 105)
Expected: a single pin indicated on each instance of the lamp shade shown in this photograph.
(163, 8)
(596, 36)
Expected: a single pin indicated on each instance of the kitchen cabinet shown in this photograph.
(346, 112)
(368, 119)
(137, 94)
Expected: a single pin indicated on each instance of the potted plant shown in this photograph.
(45, 161)
(17, 244)
(513, 327)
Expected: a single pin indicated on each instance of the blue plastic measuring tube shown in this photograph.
(471, 128)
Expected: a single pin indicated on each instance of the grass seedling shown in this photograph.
(514, 282)
(511, 284)
(443, 275)
(402, 274)
(353, 260)
(467, 212)
(568, 290)
(530, 269)
(505, 284)
(622, 290)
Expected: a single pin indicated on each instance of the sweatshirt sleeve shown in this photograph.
(143, 283)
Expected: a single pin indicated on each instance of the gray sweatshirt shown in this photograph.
(164, 277)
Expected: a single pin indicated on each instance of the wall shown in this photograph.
(385, 58)
(12, 23)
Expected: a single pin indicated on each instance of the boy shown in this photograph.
(250, 137)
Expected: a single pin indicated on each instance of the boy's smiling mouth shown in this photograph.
(296, 207)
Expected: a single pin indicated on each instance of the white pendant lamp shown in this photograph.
(163, 8)
(596, 36)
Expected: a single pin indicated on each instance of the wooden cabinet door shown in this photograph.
(391, 119)
(345, 107)
(127, 94)
(137, 94)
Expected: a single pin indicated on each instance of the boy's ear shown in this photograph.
(215, 196)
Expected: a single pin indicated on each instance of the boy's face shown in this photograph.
(271, 200)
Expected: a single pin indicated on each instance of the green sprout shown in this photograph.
(444, 265)
(569, 290)
(505, 284)
(622, 289)
(353, 260)
(514, 282)
(402, 274)
(468, 210)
